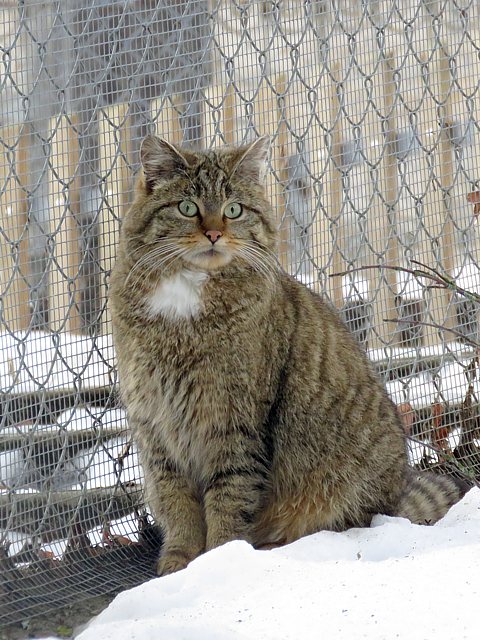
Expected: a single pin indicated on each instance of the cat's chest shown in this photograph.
(178, 297)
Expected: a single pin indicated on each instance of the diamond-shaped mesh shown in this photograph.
(373, 111)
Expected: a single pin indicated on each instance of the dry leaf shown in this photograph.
(474, 198)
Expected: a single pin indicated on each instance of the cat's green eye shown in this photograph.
(188, 208)
(233, 210)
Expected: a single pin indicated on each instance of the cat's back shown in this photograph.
(320, 339)
(337, 418)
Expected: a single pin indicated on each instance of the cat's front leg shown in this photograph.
(235, 494)
(179, 513)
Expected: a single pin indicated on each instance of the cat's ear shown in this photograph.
(252, 163)
(160, 160)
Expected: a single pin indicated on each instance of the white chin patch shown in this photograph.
(178, 297)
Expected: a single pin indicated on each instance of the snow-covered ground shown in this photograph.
(89, 468)
(393, 580)
(32, 361)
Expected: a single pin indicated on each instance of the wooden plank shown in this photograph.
(63, 311)
(59, 514)
(391, 195)
(229, 120)
(118, 187)
(446, 180)
(14, 310)
(56, 438)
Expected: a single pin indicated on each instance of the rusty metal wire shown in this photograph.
(372, 108)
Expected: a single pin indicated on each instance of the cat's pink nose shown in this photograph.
(213, 235)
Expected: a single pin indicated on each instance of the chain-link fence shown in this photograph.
(373, 111)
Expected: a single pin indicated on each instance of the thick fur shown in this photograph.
(427, 497)
(256, 413)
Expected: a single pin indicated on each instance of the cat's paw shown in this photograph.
(171, 562)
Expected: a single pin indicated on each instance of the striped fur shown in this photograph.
(256, 414)
(428, 496)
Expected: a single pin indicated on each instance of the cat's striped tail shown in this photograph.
(427, 496)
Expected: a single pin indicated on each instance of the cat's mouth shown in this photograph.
(211, 252)
(213, 257)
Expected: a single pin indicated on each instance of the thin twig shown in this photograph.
(434, 325)
(449, 283)
(426, 272)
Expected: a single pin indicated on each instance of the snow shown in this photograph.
(393, 580)
(40, 361)
(89, 418)
(96, 466)
(12, 467)
(17, 541)
(37, 361)
(467, 277)
(455, 382)
(89, 468)
(420, 390)
(450, 385)
(434, 353)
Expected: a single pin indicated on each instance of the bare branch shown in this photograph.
(426, 272)
(434, 325)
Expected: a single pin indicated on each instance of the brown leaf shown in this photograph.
(47, 555)
(111, 539)
(439, 430)
(473, 197)
(407, 416)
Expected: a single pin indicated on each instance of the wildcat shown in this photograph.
(256, 413)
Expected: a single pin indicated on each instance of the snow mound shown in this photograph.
(393, 580)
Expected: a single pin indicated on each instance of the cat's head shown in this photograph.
(201, 209)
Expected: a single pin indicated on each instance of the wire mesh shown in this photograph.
(373, 112)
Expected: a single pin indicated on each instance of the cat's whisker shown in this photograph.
(265, 258)
(158, 250)
(159, 244)
(157, 253)
(262, 260)
(157, 241)
(143, 245)
(147, 257)
(155, 259)
(256, 261)
(267, 251)
(145, 274)
(156, 264)
(162, 247)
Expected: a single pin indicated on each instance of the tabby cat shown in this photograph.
(256, 413)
